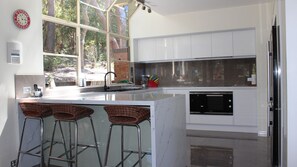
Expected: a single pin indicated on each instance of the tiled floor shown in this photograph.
(217, 149)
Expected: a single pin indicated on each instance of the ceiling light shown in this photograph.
(143, 7)
(137, 4)
(149, 10)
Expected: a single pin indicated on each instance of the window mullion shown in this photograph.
(78, 39)
(108, 37)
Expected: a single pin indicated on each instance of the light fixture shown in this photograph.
(144, 6)
(136, 4)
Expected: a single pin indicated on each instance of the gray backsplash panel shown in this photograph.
(201, 73)
(22, 81)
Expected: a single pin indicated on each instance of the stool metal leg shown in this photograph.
(21, 142)
(139, 144)
(76, 142)
(95, 139)
(122, 145)
(64, 144)
(108, 142)
(41, 145)
(70, 142)
(52, 142)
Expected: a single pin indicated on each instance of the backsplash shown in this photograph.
(27, 81)
(202, 73)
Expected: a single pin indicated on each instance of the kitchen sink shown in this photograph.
(124, 88)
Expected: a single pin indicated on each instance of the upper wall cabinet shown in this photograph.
(182, 47)
(164, 48)
(222, 44)
(244, 43)
(201, 45)
(237, 43)
(146, 50)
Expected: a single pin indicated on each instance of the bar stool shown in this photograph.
(126, 116)
(71, 114)
(34, 111)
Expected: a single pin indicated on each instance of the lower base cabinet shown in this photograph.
(244, 118)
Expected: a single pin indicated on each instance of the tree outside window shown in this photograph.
(75, 43)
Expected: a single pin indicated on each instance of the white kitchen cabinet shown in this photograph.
(211, 119)
(205, 45)
(182, 47)
(244, 43)
(146, 49)
(222, 44)
(245, 107)
(201, 45)
(164, 48)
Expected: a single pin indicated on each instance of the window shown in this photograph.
(75, 43)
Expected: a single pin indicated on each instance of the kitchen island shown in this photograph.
(168, 122)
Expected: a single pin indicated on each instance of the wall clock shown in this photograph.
(21, 19)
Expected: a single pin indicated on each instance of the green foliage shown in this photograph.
(62, 39)
(52, 63)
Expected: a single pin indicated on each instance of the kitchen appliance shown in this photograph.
(211, 103)
(274, 94)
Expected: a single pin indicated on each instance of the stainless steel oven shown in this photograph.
(211, 103)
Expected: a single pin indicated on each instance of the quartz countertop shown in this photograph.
(138, 97)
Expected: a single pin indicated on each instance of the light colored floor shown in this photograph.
(227, 149)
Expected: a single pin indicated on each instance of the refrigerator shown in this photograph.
(274, 95)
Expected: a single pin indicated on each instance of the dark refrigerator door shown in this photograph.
(274, 97)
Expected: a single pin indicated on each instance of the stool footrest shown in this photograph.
(36, 154)
(144, 153)
(136, 152)
(82, 146)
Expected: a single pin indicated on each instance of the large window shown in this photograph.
(85, 39)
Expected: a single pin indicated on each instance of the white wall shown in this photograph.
(291, 60)
(31, 39)
(144, 25)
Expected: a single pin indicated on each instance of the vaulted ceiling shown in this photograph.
(169, 7)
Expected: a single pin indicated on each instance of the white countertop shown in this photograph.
(138, 97)
(135, 97)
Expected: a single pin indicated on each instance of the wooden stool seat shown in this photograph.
(34, 111)
(126, 116)
(71, 114)
(129, 115)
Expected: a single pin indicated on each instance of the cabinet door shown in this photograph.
(182, 47)
(244, 43)
(164, 48)
(222, 44)
(245, 107)
(146, 49)
(201, 45)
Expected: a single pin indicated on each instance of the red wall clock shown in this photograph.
(21, 19)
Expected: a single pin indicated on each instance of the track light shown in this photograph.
(144, 6)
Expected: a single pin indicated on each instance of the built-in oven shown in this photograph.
(211, 103)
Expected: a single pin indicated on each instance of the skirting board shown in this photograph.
(262, 133)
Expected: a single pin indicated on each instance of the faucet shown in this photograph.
(109, 72)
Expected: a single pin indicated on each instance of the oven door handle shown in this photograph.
(214, 95)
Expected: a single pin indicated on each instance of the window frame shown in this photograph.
(78, 26)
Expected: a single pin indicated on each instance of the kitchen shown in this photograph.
(252, 16)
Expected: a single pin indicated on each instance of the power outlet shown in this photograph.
(13, 163)
(26, 90)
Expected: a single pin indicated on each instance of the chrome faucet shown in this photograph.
(109, 72)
